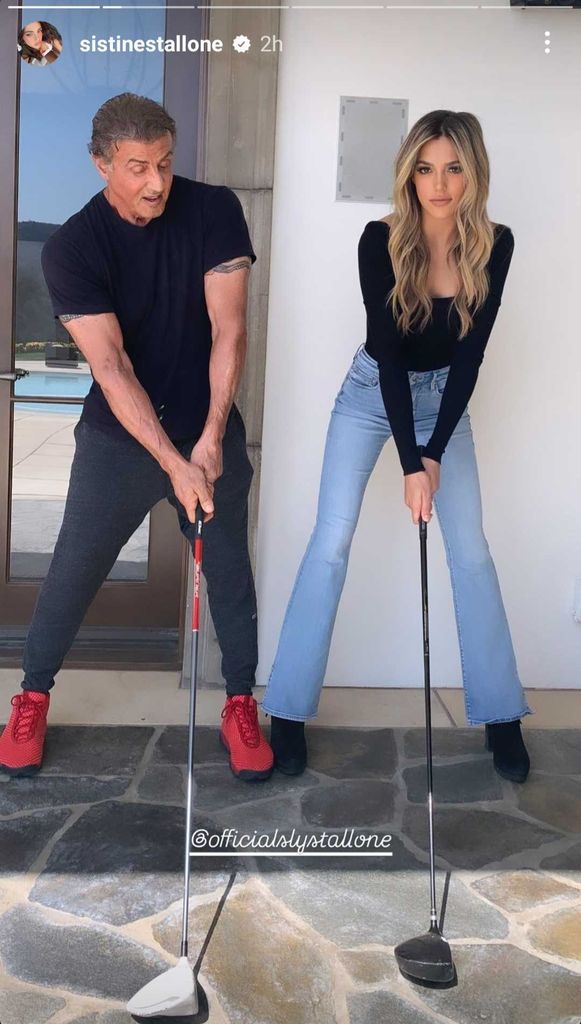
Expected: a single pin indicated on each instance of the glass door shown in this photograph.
(47, 174)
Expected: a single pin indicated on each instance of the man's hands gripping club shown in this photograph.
(193, 480)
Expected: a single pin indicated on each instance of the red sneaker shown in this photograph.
(250, 754)
(22, 742)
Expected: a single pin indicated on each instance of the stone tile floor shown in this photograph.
(91, 860)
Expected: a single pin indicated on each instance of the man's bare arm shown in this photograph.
(226, 293)
(98, 336)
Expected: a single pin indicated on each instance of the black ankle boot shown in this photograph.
(287, 739)
(510, 756)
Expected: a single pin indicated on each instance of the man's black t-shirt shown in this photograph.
(152, 278)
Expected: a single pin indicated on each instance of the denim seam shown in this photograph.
(369, 374)
(292, 596)
(467, 704)
(527, 710)
(365, 380)
(291, 600)
(362, 381)
(287, 615)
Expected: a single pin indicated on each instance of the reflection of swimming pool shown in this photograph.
(55, 385)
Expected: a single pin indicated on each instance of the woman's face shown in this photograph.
(438, 174)
(32, 35)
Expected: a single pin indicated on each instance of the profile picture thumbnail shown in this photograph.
(40, 43)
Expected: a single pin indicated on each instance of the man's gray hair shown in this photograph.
(128, 116)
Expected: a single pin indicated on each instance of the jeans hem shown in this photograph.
(510, 718)
(285, 714)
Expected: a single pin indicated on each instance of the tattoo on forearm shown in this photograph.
(64, 317)
(227, 268)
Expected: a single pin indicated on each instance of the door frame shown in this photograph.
(119, 628)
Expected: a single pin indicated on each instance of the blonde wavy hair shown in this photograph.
(471, 249)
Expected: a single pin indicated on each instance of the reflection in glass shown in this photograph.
(43, 451)
(56, 177)
(45, 379)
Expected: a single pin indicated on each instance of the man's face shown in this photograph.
(138, 178)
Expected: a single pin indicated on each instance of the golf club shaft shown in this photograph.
(192, 720)
(424, 573)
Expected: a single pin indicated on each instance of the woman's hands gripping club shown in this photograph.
(419, 488)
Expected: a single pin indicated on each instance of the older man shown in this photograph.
(150, 279)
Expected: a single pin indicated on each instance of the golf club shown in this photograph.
(175, 992)
(427, 958)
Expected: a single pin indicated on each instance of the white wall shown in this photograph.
(525, 412)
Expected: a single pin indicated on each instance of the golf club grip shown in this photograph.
(424, 577)
(197, 568)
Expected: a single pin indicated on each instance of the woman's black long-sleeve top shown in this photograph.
(435, 347)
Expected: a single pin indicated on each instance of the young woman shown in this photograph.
(432, 275)
(39, 42)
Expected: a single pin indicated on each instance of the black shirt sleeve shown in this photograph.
(225, 230)
(469, 352)
(73, 284)
(376, 279)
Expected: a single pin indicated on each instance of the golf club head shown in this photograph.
(171, 994)
(426, 958)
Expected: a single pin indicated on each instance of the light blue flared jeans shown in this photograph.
(357, 432)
